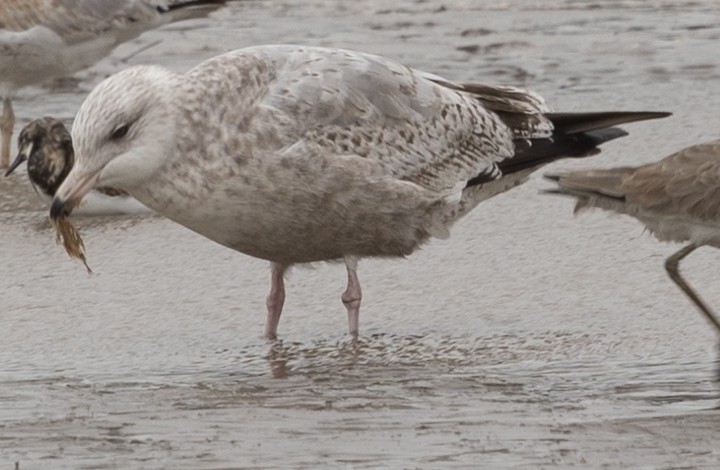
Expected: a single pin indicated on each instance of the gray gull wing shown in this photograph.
(296, 155)
(413, 126)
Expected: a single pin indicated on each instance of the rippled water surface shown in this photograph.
(528, 339)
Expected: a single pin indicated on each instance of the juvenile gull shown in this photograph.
(42, 40)
(676, 198)
(46, 145)
(296, 154)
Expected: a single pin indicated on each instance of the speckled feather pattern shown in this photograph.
(295, 154)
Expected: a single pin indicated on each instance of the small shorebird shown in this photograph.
(42, 40)
(298, 154)
(47, 147)
(676, 199)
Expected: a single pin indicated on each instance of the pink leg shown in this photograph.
(6, 128)
(275, 300)
(352, 296)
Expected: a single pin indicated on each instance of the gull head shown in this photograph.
(121, 134)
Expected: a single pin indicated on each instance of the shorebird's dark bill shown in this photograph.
(16, 163)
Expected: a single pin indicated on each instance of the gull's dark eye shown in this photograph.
(120, 132)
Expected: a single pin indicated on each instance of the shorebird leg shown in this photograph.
(352, 296)
(671, 265)
(8, 122)
(275, 300)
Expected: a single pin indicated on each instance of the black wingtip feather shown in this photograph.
(601, 136)
(191, 3)
(542, 151)
(574, 123)
(575, 135)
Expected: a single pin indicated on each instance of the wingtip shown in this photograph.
(635, 116)
(658, 114)
(192, 8)
(575, 123)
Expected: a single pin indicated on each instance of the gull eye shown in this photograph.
(120, 132)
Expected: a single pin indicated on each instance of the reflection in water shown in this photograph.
(512, 368)
(435, 396)
(277, 358)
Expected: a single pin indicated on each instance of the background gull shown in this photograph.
(295, 154)
(676, 198)
(46, 145)
(46, 39)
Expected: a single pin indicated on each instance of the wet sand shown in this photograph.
(529, 339)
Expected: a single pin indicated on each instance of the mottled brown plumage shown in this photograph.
(298, 154)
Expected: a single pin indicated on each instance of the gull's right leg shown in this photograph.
(275, 300)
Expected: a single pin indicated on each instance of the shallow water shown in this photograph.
(528, 339)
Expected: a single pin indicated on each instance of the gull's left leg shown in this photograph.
(352, 295)
(8, 122)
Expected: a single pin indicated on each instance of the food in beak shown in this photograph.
(68, 235)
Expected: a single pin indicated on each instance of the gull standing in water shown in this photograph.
(42, 40)
(46, 145)
(299, 154)
(676, 198)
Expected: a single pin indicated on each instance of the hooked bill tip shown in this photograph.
(58, 208)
